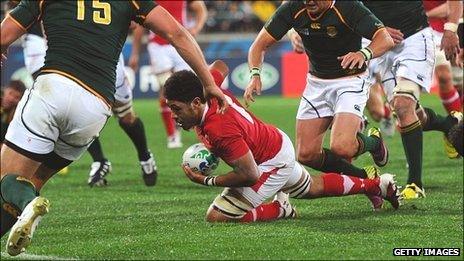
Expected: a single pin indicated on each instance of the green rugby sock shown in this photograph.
(333, 163)
(367, 143)
(412, 137)
(437, 122)
(16, 192)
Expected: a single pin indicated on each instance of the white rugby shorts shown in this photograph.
(412, 59)
(327, 97)
(57, 115)
(164, 58)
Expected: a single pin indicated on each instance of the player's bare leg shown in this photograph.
(21, 180)
(134, 128)
(309, 138)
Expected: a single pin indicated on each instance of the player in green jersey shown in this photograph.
(336, 90)
(72, 96)
(406, 70)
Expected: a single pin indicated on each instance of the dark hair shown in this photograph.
(183, 86)
(17, 86)
(455, 136)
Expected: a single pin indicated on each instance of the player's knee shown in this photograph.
(128, 119)
(345, 148)
(309, 157)
(214, 216)
(404, 106)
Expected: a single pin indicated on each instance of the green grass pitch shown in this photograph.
(127, 220)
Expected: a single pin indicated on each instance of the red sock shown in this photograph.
(166, 116)
(264, 212)
(451, 100)
(339, 185)
(387, 111)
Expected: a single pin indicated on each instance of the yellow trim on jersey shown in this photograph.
(16, 22)
(298, 13)
(40, 8)
(135, 4)
(378, 30)
(341, 17)
(85, 86)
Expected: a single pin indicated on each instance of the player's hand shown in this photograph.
(450, 44)
(297, 43)
(395, 34)
(134, 62)
(193, 176)
(254, 86)
(459, 60)
(214, 92)
(352, 60)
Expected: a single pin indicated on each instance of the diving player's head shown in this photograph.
(316, 7)
(11, 94)
(184, 96)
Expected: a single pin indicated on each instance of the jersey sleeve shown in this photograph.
(217, 76)
(228, 144)
(26, 13)
(361, 19)
(142, 9)
(280, 22)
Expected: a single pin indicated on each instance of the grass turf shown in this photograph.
(127, 220)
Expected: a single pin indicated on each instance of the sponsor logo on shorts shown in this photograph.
(356, 107)
(420, 77)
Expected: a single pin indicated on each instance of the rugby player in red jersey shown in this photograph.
(262, 158)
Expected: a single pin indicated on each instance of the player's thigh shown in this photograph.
(375, 103)
(344, 129)
(13, 162)
(310, 135)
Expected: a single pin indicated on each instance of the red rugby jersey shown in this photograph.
(232, 134)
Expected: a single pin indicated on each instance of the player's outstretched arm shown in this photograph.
(255, 60)
(245, 174)
(10, 31)
(162, 23)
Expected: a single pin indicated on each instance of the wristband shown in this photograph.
(367, 53)
(255, 71)
(451, 27)
(209, 181)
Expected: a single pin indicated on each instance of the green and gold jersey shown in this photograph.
(84, 38)
(407, 16)
(334, 33)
